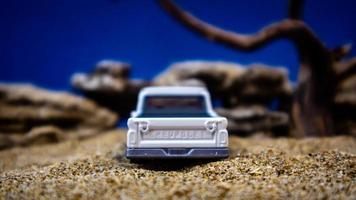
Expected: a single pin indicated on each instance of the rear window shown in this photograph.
(174, 106)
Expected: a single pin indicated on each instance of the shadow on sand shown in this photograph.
(171, 164)
(163, 164)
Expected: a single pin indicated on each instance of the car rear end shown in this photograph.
(193, 137)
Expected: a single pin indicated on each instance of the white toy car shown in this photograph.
(176, 122)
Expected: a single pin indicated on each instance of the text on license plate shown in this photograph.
(177, 134)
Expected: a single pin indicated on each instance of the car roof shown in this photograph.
(173, 90)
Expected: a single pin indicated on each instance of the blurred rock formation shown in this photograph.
(247, 120)
(109, 85)
(30, 115)
(255, 98)
(216, 76)
(245, 92)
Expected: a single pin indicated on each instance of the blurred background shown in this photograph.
(299, 82)
(45, 42)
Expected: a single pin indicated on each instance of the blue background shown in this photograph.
(46, 41)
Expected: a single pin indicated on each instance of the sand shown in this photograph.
(258, 168)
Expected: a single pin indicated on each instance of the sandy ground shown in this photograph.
(258, 168)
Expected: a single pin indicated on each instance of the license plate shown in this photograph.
(177, 135)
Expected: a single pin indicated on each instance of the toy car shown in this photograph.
(176, 122)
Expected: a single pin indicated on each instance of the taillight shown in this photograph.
(211, 126)
(143, 126)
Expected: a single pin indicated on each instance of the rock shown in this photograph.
(234, 84)
(29, 115)
(109, 86)
(248, 120)
(216, 76)
(192, 82)
(106, 83)
(114, 68)
(108, 76)
(42, 135)
(260, 84)
(346, 92)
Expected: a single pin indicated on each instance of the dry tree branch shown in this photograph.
(291, 29)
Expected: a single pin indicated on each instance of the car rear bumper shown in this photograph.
(151, 153)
